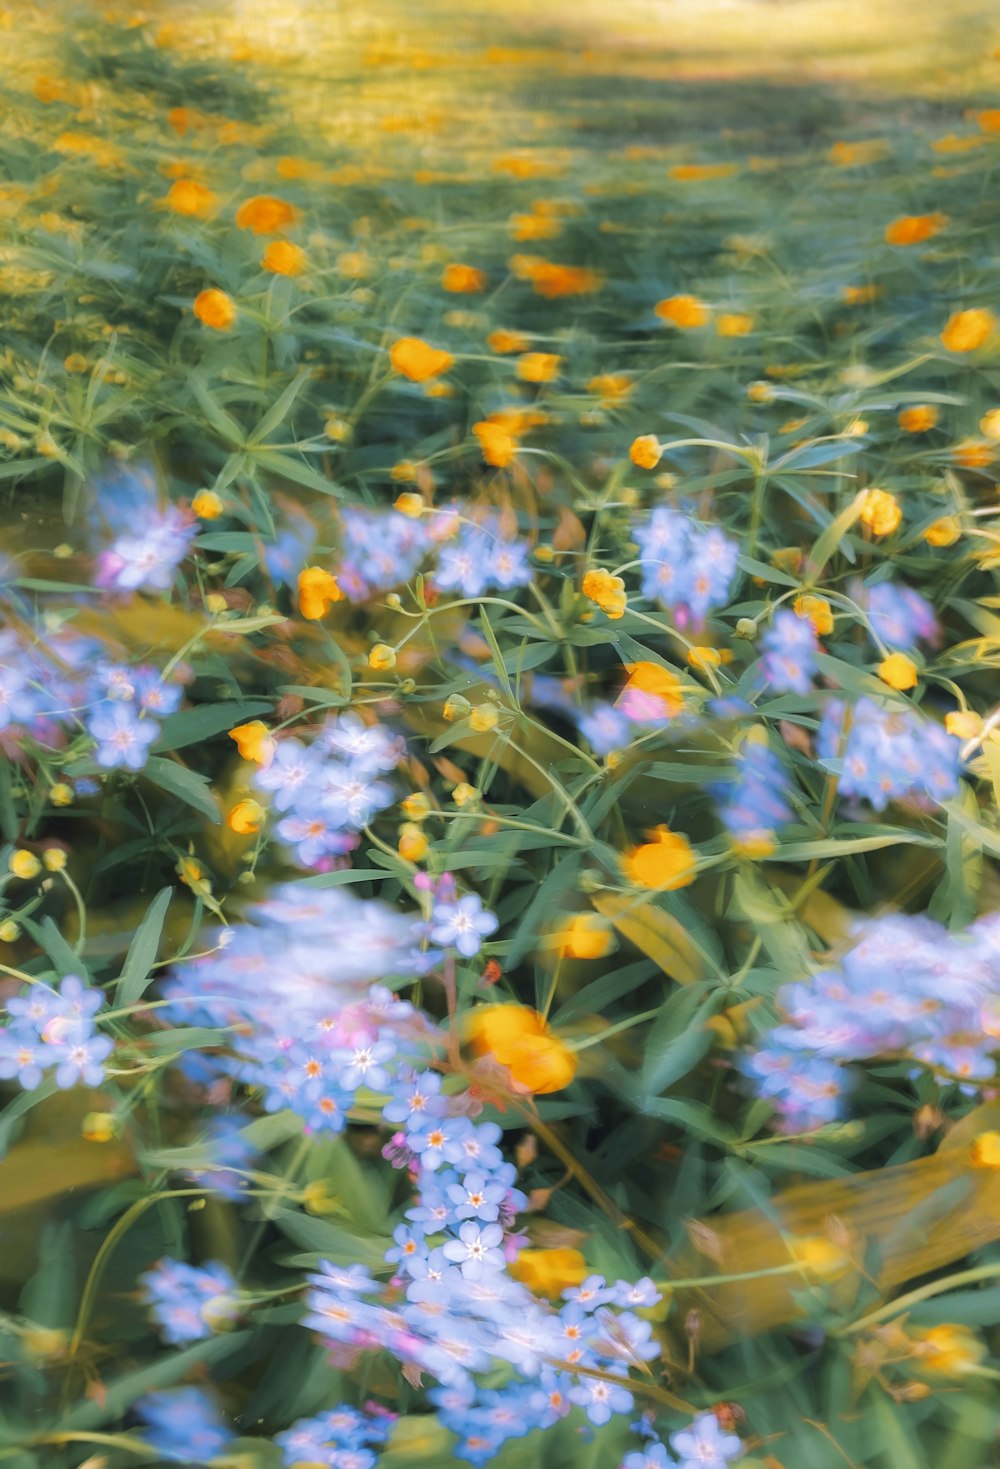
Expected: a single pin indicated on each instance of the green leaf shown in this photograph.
(187, 785)
(279, 410)
(830, 541)
(142, 951)
(191, 726)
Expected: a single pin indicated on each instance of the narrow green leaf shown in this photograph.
(142, 951)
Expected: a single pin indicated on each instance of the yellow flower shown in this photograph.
(645, 451)
(919, 419)
(418, 360)
(54, 859)
(61, 794)
(943, 532)
(191, 200)
(819, 1257)
(416, 806)
(816, 610)
(409, 504)
(413, 845)
(607, 591)
(318, 590)
(215, 309)
(861, 295)
(734, 324)
(538, 367)
(534, 227)
(914, 229)
(949, 1350)
(549, 1272)
(98, 1127)
(265, 215)
(382, 657)
(964, 724)
(455, 707)
(898, 671)
(754, 845)
(683, 311)
(965, 331)
(283, 258)
(207, 505)
(585, 936)
(986, 1150)
(254, 742)
(989, 424)
(497, 446)
(464, 794)
(650, 681)
(10, 931)
(611, 388)
(246, 817)
(504, 342)
(24, 864)
(760, 392)
(518, 1037)
(463, 280)
(702, 658)
(667, 862)
(484, 717)
(880, 512)
(76, 362)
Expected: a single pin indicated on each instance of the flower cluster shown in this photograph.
(899, 616)
(789, 661)
(381, 550)
(149, 541)
(753, 805)
(705, 1445)
(884, 753)
(183, 1425)
(52, 1032)
(906, 988)
(189, 1302)
(341, 1438)
(686, 568)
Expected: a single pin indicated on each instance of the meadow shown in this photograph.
(500, 736)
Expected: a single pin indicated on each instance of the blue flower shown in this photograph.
(123, 736)
(189, 1303)
(601, 1399)
(476, 1249)
(789, 661)
(704, 1445)
(183, 1425)
(462, 924)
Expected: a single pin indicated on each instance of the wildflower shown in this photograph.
(183, 1425)
(651, 693)
(914, 229)
(919, 419)
(61, 794)
(686, 312)
(703, 658)
(417, 360)
(382, 657)
(943, 532)
(463, 279)
(949, 1350)
(24, 864)
(607, 591)
(484, 717)
(816, 611)
(409, 504)
(123, 737)
(207, 505)
(54, 859)
(246, 817)
(989, 424)
(191, 199)
(585, 936)
(318, 590)
(189, 1303)
(734, 324)
(266, 215)
(555, 281)
(498, 447)
(965, 331)
(504, 342)
(886, 755)
(684, 567)
(464, 794)
(666, 863)
(880, 511)
(463, 923)
(986, 1150)
(601, 1399)
(789, 660)
(518, 1037)
(538, 367)
(549, 1272)
(413, 845)
(705, 1445)
(964, 724)
(254, 742)
(215, 309)
(282, 257)
(645, 451)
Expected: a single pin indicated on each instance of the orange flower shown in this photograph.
(418, 360)
(191, 200)
(246, 817)
(898, 671)
(584, 936)
(861, 295)
(538, 367)
(667, 862)
(815, 610)
(463, 280)
(266, 215)
(552, 281)
(611, 388)
(989, 424)
(974, 453)
(734, 324)
(549, 1272)
(943, 532)
(967, 330)
(498, 447)
(988, 120)
(919, 419)
(517, 1037)
(880, 512)
(854, 155)
(649, 683)
(696, 173)
(914, 229)
(283, 258)
(607, 591)
(503, 342)
(215, 308)
(254, 742)
(986, 1150)
(683, 311)
(703, 658)
(207, 505)
(949, 1350)
(318, 591)
(534, 227)
(645, 451)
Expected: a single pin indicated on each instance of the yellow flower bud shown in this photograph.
(409, 504)
(898, 671)
(54, 859)
(382, 657)
(246, 817)
(10, 931)
(215, 603)
(964, 724)
(61, 794)
(943, 532)
(99, 1127)
(645, 451)
(549, 1272)
(464, 794)
(417, 807)
(986, 1150)
(456, 707)
(585, 936)
(25, 864)
(207, 505)
(484, 717)
(413, 845)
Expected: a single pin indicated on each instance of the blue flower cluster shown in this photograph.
(907, 988)
(884, 753)
(685, 568)
(330, 789)
(381, 549)
(189, 1302)
(183, 1425)
(899, 616)
(149, 541)
(705, 1445)
(481, 558)
(340, 1438)
(52, 1031)
(789, 662)
(753, 805)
